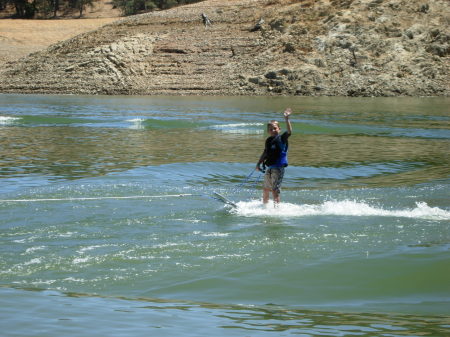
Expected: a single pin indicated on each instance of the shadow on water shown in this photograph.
(76, 137)
(140, 316)
(73, 153)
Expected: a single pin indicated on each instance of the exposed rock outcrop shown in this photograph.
(335, 47)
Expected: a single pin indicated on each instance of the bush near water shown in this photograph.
(253, 47)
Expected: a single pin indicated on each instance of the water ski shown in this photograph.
(225, 200)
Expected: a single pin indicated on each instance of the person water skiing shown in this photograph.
(274, 158)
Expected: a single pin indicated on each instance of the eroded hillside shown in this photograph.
(327, 47)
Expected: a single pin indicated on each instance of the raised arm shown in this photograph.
(287, 113)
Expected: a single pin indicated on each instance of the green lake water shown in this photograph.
(109, 227)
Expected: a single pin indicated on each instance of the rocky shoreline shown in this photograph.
(306, 48)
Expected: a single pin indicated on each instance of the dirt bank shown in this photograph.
(327, 47)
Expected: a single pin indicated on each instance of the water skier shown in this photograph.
(274, 158)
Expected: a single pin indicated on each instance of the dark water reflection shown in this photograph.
(318, 323)
(142, 316)
(62, 152)
(59, 137)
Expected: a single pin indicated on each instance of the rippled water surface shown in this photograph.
(109, 227)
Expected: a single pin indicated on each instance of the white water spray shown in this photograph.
(339, 208)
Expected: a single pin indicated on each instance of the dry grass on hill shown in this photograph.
(18, 37)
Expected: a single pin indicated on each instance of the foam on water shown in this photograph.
(239, 128)
(341, 208)
(137, 123)
(6, 120)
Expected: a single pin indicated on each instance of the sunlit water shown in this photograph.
(108, 225)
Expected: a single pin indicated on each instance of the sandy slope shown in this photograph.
(19, 38)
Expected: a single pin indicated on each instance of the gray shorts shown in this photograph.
(273, 179)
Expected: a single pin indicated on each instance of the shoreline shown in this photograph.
(172, 94)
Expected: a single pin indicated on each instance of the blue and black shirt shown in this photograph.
(276, 149)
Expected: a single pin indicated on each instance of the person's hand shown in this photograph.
(261, 169)
(287, 112)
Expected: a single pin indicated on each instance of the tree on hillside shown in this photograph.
(24, 9)
(130, 7)
(55, 6)
(28, 9)
(81, 5)
(46, 7)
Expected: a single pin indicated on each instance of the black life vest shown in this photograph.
(276, 151)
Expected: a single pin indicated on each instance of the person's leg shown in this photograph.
(277, 179)
(276, 197)
(267, 186)
(266, 195)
